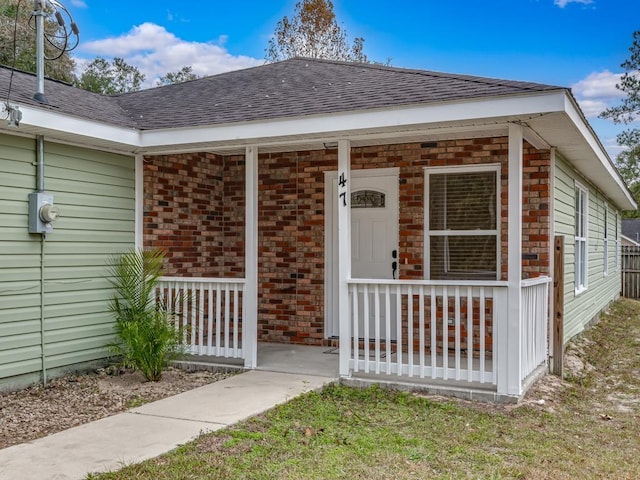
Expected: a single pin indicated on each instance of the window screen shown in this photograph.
(462, 225)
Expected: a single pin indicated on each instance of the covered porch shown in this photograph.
(485, 336)
(468, 366)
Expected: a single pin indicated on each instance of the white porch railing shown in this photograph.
(441, 330)
(210, 312)
(535, 311)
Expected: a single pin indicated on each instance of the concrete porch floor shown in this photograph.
(278, 357)
(300, 359)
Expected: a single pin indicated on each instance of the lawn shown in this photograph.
(585, 427)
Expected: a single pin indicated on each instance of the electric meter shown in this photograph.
(49, 213)
(42, 212)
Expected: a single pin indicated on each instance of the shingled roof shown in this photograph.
(294, 87)
(63, 98)
(298, 87)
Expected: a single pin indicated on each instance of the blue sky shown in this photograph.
(574, 43)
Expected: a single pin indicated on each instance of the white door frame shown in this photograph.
(330, 256)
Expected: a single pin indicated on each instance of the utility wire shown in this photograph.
(15, 54)
(65, 36)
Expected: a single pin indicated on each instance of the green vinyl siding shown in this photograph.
(95, 193)
(581, 308)
(20, 349)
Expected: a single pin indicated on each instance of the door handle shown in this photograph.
(394, 264)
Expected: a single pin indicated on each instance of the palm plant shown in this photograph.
(147, 331)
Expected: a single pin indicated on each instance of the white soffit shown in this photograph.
(41, 121)
(576, 142)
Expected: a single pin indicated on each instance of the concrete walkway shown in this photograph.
(150, 430)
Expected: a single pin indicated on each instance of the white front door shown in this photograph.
(374, 234)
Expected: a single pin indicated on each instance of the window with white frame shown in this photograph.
(605, 240)
(581, 235)
(462, 222)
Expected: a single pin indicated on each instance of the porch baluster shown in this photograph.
(470, 333)
(399, 329)
(421, 329)
(445, 333)
(457, 331)
(387, 316)
(434, 338)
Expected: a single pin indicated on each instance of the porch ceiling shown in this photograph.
(358, 138)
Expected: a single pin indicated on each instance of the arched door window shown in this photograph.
(368, 199)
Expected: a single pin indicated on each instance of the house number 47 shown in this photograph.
(342, 182)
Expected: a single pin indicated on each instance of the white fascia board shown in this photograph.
(630, 240)
(535, 140)
(578, 119)
(68, 124)
(459, 112)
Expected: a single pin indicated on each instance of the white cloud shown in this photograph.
(597, 91)
(79, 3)
(564, 3)
(156, 51)
(610, 144)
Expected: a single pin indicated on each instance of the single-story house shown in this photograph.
(631, 232)
(407, 217)
(628, 241)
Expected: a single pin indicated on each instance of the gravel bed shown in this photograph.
(76, 399)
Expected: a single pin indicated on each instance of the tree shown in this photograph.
(17, 17)
(313, 32)
(628, 161)
(117, 76)
(183, 75)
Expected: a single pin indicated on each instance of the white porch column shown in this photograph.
(250, 295)
(510, 345)
(344, 252)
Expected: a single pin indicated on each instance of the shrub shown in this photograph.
(148, 335)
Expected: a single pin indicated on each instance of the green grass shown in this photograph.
(587, 428)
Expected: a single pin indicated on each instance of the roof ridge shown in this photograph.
(433, 73)
(215, 75)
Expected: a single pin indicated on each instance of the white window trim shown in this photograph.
(486, 167)
(581, 288)
(605, 240)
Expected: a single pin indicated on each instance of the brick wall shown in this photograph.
(535, 213)
(183, 212)
(194, 207)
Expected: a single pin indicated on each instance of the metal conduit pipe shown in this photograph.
(40, 163)
(42, 313)
(38, 7)
(40, 187)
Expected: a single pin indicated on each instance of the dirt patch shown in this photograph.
(76, 399)
(575, 358)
